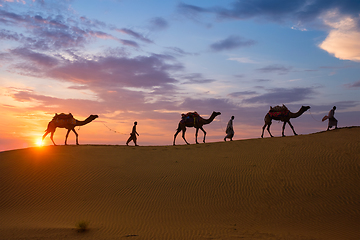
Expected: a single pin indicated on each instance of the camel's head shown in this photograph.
(216, 113)
(305, 108)
(93, 117)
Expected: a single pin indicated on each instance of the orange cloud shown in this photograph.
(343, 39)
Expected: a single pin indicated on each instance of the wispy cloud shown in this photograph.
(134, 34)
(196, 78)
(242, 60)
(279, 69)
(279, 11)
(353, 85)
(231, 42)
(241, 94)
(158, 24)
(282, 95)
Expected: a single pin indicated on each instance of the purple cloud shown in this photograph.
(37, 58)
(57, 32)
(275, 68)
(8, 35)
(353, 85)
(196, 78)
(179, 51)
(134, 34)
(282, 95)
(278, 10)
(158, 23)
(230, 43)
(241, 94)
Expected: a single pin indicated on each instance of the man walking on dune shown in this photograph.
(133, 135)
(229, 129)
(332, 120)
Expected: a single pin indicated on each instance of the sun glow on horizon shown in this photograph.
(39, 142)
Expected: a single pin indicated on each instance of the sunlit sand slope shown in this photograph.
(300, 187)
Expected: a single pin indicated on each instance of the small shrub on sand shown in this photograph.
(82, 226)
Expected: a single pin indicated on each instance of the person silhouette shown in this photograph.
(332, 120)
(229, 129)
(133, 135)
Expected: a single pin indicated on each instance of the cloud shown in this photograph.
(207, 105)
(57, 32)
(277, 10)
(343, 39)
(37, 58)
(230, 43)
(8, 35)
(353, 85)
(341, 18)
(275, 68)
(197, 78)
(241, 94)
(158, 23)
(179, 51)
(115, 72)
(134, 34)
(242, 60)
(282, 95)
(262, 80)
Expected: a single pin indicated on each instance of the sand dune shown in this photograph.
(300, 187)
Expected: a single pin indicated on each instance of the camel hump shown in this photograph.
(63, 116)
(190, 117)
(278, 108)
(62, 119)
(279, 111)
(192, 114)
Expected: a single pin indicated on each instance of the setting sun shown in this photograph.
(39, 143)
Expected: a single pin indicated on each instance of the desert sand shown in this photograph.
(296, 187)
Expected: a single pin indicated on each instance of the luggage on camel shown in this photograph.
(64, 118)
(279, 111)
(190, 117)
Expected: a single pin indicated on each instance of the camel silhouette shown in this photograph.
(194, 120)
(283, 115)
(68, 122)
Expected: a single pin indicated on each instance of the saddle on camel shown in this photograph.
(63, 119)
(279, 111)
(190, 117)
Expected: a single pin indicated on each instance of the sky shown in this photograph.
(149, 61)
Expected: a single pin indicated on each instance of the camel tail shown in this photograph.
(48, 129)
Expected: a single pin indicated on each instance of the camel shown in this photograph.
(282, 114)
(194, 120)
(66, 121)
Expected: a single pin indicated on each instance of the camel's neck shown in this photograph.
(209, 120)
(86, 121)
(298, 113)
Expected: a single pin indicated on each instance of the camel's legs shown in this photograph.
(268, 124)
(45, 134)
(183, 135)
(283, 129)
(77, 136)
(268, 129)
(263, 128)
(292, 127)
(67, 134)
(52, 137)
(196, 135)
(66, 137)
(177, 132)
(204, 133)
